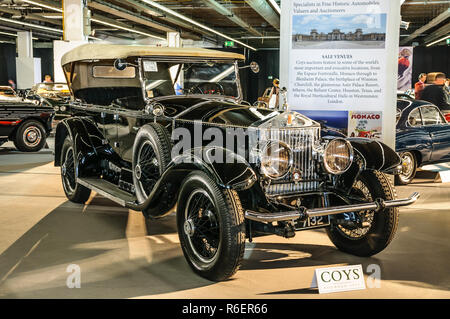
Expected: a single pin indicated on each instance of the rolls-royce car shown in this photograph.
(166, 130)
(422, 137)
(23, 122)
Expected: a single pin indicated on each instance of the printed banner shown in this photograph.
(365, 124)
(405, 63)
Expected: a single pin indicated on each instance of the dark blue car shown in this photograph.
(423, 137)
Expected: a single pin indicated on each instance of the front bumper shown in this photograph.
(303, 213)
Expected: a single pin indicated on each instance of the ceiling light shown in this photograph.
(275, 6)
(439, 40)
(31, 25)
(127, 29)
(43, 5)
(14, 35)
(182, 17)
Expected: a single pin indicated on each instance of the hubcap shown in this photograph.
(32, 136)
(189, 228)
(407, 166)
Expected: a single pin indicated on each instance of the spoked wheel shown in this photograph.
(368, 232)
(74, 192)
(201, 226)
(211, 227)
(151, 155)
(147, 169)
(30, 137)
(409, 167)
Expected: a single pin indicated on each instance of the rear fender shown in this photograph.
(86, 140)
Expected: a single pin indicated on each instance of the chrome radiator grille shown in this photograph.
(301, 141)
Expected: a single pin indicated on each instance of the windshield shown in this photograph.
(208, 78)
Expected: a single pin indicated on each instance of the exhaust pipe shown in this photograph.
(303, 213)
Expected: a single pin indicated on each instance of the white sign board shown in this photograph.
(341, 56)
(336, 279)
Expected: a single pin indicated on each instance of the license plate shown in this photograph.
(313, 222)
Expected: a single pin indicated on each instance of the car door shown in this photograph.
(439, 131)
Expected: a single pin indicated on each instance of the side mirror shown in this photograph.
(120, 64)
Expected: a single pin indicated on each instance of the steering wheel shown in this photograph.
(207, 88)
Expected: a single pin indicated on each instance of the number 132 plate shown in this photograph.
(313, 222)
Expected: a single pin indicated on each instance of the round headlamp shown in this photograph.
(62, 108)
(338, 156)
(276, 159)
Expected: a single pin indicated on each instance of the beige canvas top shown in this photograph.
(114, 51)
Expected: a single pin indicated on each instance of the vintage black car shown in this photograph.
(23, 122)
(160, 130)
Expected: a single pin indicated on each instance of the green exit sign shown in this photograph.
(229, 43)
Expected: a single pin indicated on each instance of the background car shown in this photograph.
(23, 122)
(56, 95)
(423, 137)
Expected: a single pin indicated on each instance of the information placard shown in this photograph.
(342, 56)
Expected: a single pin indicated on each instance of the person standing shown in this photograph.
(435, 93)
(12, 84)
(419, 86)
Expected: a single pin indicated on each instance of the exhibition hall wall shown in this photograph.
(8, 62)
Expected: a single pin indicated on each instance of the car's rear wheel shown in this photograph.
(30, 136)
(211, 227)
(74, 191)
(409, 167)
(368, 232)
(151, 155)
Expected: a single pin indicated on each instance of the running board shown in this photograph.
(303, 213)
(108, 190)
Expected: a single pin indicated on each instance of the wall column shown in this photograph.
(28, 68)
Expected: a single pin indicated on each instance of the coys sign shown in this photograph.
(343, 278)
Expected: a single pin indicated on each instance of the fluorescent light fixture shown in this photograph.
(13, 34)
(43, 5)
(127, 29)
(275, 6)
(31, 25)
(439, 40)
(182, 17)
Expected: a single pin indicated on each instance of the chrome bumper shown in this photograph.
(303, 213)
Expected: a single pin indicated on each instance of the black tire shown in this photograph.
(74, 192)
(152, 141)
(409, 168)
(383, 226)
(30, 136)
(221, 219)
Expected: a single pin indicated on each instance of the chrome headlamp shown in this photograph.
(276, 159)
(338, 156)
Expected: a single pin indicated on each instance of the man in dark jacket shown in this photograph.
(435, 93)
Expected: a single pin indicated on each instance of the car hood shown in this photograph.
(220, 112)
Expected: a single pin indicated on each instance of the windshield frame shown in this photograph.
(181, 61)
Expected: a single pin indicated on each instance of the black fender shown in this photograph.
(369, 155)
(86, 140)
(375, 155)
(235, 173)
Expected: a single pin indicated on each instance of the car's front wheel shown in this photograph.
(409, 167)
(368, 232)
(211, 227)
